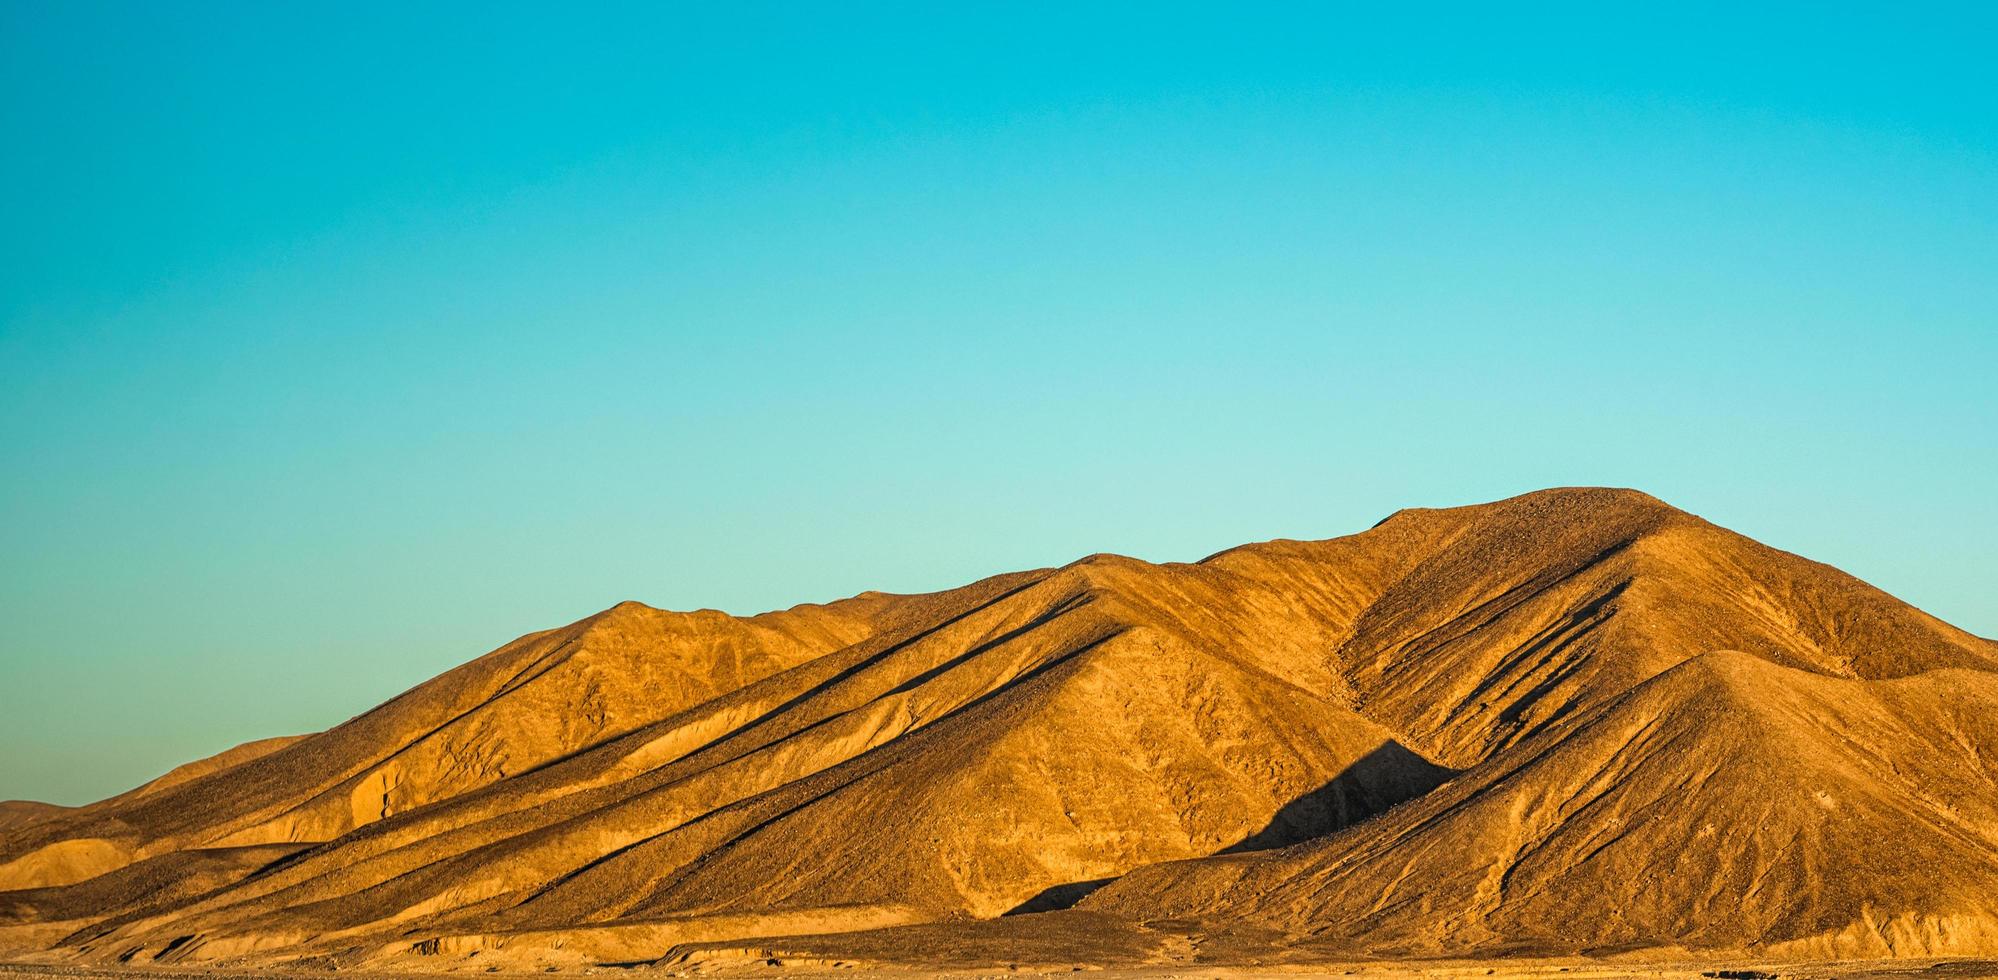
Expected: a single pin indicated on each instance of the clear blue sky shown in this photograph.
(341, 343)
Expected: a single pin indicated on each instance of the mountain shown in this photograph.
(1727, 803)
(1574, 720)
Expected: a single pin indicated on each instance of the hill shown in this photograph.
(1500, 727)
(1728, 803)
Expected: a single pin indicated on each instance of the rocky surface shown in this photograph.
(1577, 722)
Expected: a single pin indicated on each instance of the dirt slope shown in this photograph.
(643, 779)
(1729, 803)
(528, 703)
(20, 813)
(1036, 740)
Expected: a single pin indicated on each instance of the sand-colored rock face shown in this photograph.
(1573, 720)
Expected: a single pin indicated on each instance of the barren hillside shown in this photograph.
(1577, 720)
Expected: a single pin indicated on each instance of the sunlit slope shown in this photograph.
(1544, 603)
(1051, 736)
(526, 704)
(643, 778)
(1728, 803)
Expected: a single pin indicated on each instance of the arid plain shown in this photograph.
(1577, 733)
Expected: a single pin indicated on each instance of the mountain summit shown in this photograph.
(1577, 720)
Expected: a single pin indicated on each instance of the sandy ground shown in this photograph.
(1440, 970)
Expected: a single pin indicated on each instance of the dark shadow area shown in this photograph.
(1389, 775)
(1057, 897)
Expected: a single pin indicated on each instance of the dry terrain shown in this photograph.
(1577, 733)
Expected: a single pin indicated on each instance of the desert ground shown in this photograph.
(1438, 970)
(1574, 733)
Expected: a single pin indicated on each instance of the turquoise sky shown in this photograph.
(340, 343)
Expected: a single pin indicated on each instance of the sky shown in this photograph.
(340, 343)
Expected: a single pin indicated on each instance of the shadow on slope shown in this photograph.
(1728, 804)
(1381, 780)
(1375, 783)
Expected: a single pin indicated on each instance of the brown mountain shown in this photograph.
(1727, 803)
(19, 813)
(1573, 720)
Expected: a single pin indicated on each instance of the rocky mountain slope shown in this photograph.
(1578, 719)
(1726, 803)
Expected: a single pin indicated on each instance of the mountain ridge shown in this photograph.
(1110, 731)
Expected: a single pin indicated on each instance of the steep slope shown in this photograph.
(1729, 803)
(1546, 603)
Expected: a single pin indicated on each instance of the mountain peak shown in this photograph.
(1571, 719)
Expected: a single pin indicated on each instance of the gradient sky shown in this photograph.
(341, 343)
